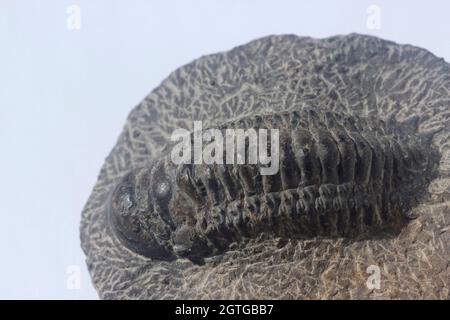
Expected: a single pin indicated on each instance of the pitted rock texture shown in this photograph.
(355, 74)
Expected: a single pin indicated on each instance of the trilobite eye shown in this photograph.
(125, 199)
(162, 189)
(127, 202)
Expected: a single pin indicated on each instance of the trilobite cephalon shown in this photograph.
(339, 176)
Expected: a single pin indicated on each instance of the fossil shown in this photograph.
(339, 176)
(362, 77)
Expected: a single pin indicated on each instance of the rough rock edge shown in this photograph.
(290, 271)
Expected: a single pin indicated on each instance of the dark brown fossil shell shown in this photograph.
(339, 176)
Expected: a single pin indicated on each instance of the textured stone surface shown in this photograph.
(356, 74)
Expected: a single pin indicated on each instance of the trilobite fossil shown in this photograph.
(339, 176)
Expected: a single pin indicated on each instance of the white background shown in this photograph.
(65, 94)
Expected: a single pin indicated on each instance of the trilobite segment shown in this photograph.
(338, 176)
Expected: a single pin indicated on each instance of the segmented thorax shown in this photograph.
(339, 176)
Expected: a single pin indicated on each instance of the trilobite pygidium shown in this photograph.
(339, 176)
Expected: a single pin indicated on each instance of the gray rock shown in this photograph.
(355, 74)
